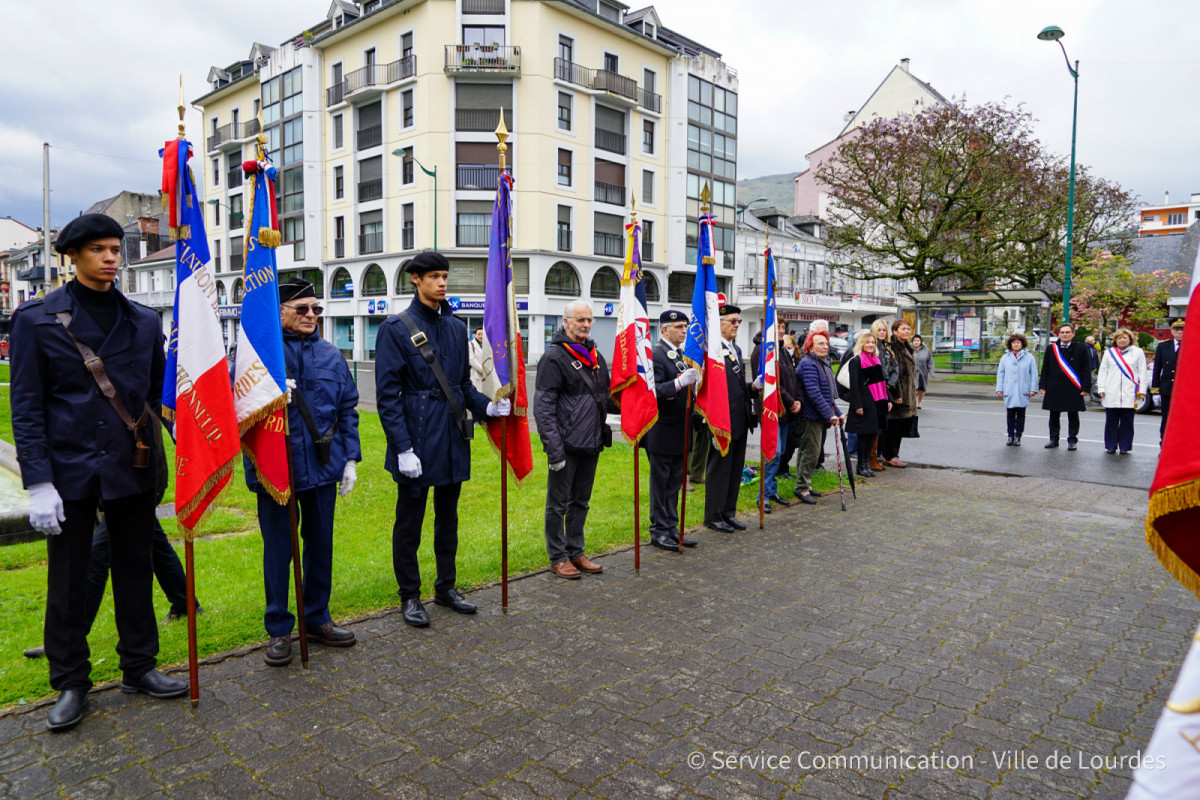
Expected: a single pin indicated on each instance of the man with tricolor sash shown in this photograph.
(1066, 382)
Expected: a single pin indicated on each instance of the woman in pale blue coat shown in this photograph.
(1016, 382)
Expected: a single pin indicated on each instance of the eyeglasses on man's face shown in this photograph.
(305, 310)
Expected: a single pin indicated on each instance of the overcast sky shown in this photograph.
(102, 76)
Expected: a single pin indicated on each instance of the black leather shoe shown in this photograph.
(807, 498)
(689, 542)
(279, 651)
(767, 507)
(777, 500)
(815, 493)
(415, 614)
(35, 652)
(722, 527)
(331, 635)
(664, 544)
(68, 710)
(1110, 452)
(155, 684)
(865, 472)
(175, 616)
(1011, 441)
(735, 524)
(455, 602)
(1072, 446)
(1017, 441)
(1052, 443)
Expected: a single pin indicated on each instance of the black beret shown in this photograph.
(728, 309)
(427, 261)
(294, 289)
(87, 228)
(671, 315)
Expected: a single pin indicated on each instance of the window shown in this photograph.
(341, 285)
(564, 111)
(217, 262)
(647, 136)
(474, 223)
(293, 233)
(236, 220)
(374, 282)
(407, 231)
(1177, 219)
(339, 237)
(369, 58)
(485, 35)
(651, 284)
(406, 105)
(611, 62)
(235, 254)
(564, 167)
(339, 182)
(566, 51)
(605, 284)
(238, 291)
(293, 191)
(649, 78)
(216, 207)
(564, 228)
(647, 187)
(562, 280)
(406, 45)
(292, 86)
(339, 137)
(407, 175)
(370, 232)
(293, 140)
(216, 172)
(647, 240)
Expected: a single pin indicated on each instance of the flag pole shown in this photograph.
(501, 149)
(292, 523)
(687, 439)
(188, 554)
(762, 396)
(637, 482)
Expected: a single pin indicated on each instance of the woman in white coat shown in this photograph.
(1121, 389)
(1016, 382)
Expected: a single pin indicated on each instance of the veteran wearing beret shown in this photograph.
(424, 390)
(323, 436)
(723, 476)
(1166, 359)
(664, 442)
(85, 435)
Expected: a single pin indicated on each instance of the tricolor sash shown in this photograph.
(1065, 366)
(1124, 369)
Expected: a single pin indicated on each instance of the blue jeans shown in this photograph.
(773, 465)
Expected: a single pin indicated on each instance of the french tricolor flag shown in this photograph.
(768, 367)
(702, 348)
(632, 384)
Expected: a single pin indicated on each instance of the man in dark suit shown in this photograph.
(723, 476)
(664, 442)
(1065, 383)
(1166, 357)
(78, 448)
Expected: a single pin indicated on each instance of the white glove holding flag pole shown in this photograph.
(349, 478)
(1170, 764)
(408, 464)
(291, 384)
(46, 508)
(687, 378)
(757, 384)
(500, 408)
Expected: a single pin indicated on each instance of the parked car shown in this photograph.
(838, 347)
(4, 346)
(1150, 400)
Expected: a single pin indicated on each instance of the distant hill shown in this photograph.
(778, 189)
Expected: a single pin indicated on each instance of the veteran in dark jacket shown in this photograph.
(323, 437)
(571, 405)
(723, 476)
(1065, 383)
(76, 450)
(789, 407)
(663, 443)
(1166, 359)
(428, 432)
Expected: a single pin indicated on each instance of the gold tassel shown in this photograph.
(268, 237)
(189, 534)
(1173, 500)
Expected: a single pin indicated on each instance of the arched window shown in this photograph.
(562, 280)
(238, 287)
(606, 284)
(404, 284)
(222, 295)
(651, 284)
(374, 282)
(341, 285)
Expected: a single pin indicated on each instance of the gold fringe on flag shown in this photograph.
(189, 534)
(1163, 503)
(268, 237)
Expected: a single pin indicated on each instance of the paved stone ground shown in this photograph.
(943, 617)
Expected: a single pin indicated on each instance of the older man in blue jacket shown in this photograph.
(323, 425)
(424, 390)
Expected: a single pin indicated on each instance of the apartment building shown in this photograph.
(1169, 218)
(382, 126)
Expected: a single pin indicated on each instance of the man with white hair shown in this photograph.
(571, 404)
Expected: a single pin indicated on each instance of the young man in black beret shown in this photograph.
(78, 448)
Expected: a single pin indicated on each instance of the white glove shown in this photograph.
(291, 384)
(408, 464)
(757, 384)
(688, 377)
(500, 408)
(349, 478)
(46, 508)
(557, 465)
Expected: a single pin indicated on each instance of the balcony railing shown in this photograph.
(233, 132)
(609, 244)
(483, 7)
(601, 80)
(370, 189)
(33, 273)
(370, 136)
(335, 94)
(564, 241)
(481, 119)
(473, 235)
(484, 58)
(370, 243)
(477, 176)
(233, 178)
(610, 193)
(339, 248)
(611, 141)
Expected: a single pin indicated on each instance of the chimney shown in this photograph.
(1196, 197)
(849, 115)
(1166, 198)
(904, 64)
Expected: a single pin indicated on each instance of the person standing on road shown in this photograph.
(323, 425)
(1121, 390)
(1166, 358)
(723, 478)
(1065, 383)
(1016, 382)
(79, 447)
(923, 359)
(422, 372)
(663, 443)
(817, 411)
(904, 402)
(869, 404)
(571, 408)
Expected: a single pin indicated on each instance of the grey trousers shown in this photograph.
(567, 494)
(666, 479)
(811, 432)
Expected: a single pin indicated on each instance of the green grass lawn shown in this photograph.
(969, 378)
(228, 560)
(4, 372)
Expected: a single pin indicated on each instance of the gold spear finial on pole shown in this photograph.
(705, 207)
(502, 136)
(181, 105)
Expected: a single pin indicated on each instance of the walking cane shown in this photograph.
(837, 446)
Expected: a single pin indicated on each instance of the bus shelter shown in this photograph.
(972, 325)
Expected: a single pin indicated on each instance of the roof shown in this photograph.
(1151, 253)
(166, 254)
(756, 221)
(897, 68)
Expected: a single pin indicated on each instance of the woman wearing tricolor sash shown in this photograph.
(1122, 371)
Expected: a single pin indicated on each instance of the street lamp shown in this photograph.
(1053, 33)
(232, 213)
(404, 154)
(742, 210)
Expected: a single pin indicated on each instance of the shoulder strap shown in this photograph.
(306, 414)
(421, 342)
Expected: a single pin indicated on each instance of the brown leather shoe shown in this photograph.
(585, 564)
(896, 462)
(564, 569)
(331, 635)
